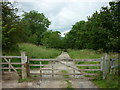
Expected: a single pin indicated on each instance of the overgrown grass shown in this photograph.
(112, 81)
(84, 54)
(34, 51)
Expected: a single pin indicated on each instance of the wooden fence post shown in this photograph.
(24, 61)
(41, 70)
(105, 66)
(9, 65)
(74, 73)
(28, 67)
(101, 64)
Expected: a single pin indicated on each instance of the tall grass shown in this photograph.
(84, 54)
(112, 81)
(34, 51)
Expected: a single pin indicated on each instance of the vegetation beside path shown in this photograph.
(35, 51)
(112, 80)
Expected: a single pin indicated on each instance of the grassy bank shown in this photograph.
(84, 54)
(112, 79)
(34, 51)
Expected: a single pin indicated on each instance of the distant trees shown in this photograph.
(101, 31)
(34, 24)
(52, 39)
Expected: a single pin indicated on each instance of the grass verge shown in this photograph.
(112, 80)
(34, 51)
(84, 54)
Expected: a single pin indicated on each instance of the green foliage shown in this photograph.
(52, 39)
(34, 23)
(11, 30)
(34, 51)
(84, 54)
(111, 82)
(101, 31)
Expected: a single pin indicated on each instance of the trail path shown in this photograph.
(58, 81)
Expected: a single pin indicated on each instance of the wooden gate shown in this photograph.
(23, 66)
(41, 66)
(16, 64)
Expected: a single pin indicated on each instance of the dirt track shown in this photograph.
(59, 81)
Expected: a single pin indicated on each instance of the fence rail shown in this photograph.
(106, 65)
(85, 60)
(10, 56)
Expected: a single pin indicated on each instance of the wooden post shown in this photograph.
(9, 65)
(40, 69)
(101, 64)
(74, 73)
(24, 61)
(111, 64)
(28, 67)
(53, 69)
(118, 63)
(52, 72)
(106, 66)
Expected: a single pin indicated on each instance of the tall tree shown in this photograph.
(101, 31)
(52, 39)
(11, 30)
(35, 24)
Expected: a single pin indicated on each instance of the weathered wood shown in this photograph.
(118, 65)
(24, 61)
(87, 60)
(12, 68)
(61, 74)
(40, 70)
(52, 72)
(87, 64)
(71, 69)
(28, 67)
(10, 56)
(101, 64)
(106, 66)
(40, 65)
(10, 64)
(74, 72)
(89, 69)
(53, 69)
(43, 59)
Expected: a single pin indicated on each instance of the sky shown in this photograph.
(62, 13)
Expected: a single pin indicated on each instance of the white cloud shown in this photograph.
(65, 32)
(63, 13)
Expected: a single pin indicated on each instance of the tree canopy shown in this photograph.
(100, 31)
(11, 30)
(34, 23)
